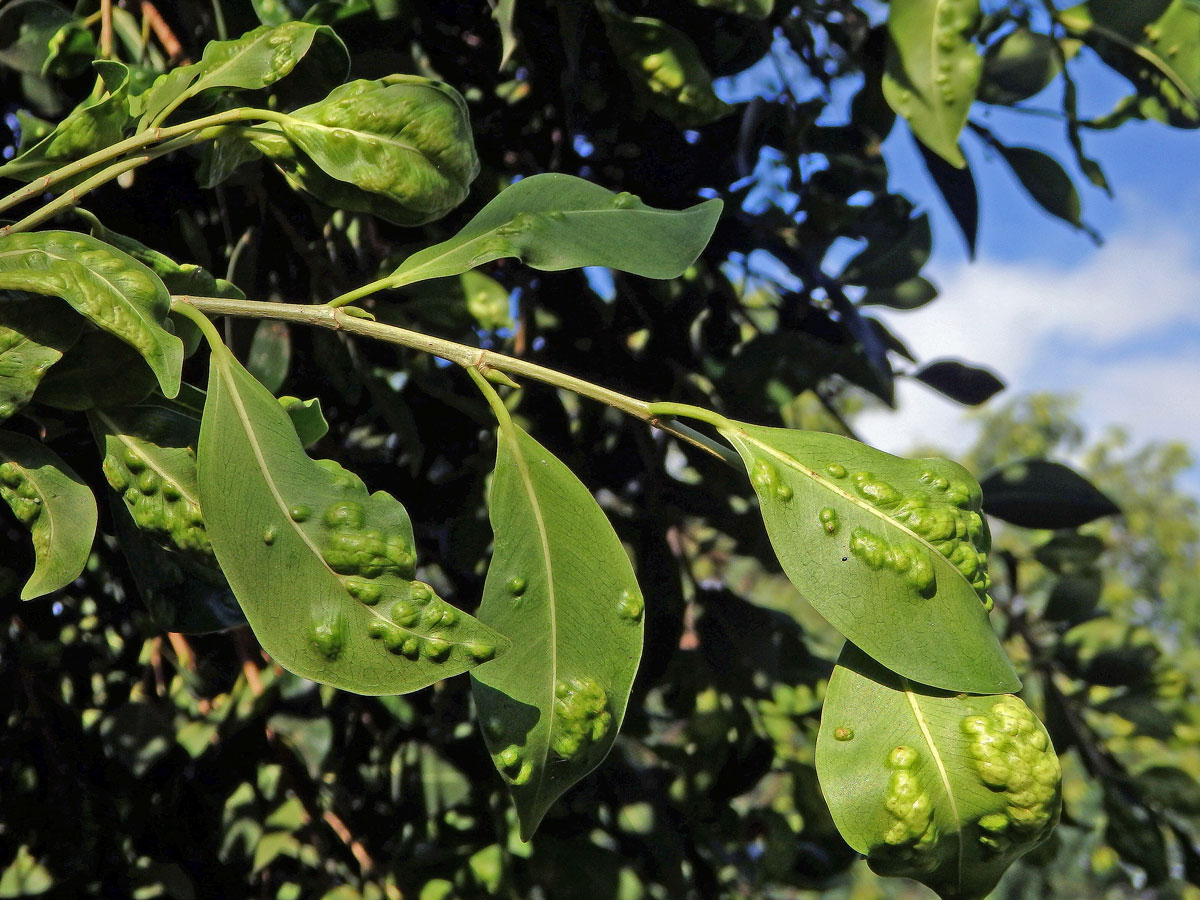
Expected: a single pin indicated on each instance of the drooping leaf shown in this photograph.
(95, 124)
(256, 60)
(307, 418)
(54, 504)
(322, 570)
(1018, 66)
(757, 9)
(887, 262)
(945, 788)
(72, 50)
(403, 140)
(891, 551)
(1153, 43)
(933, 70)
(665, 68)
(957, 187)
(969, 385)
(562, 587)
(1067, 554)
(1046, 181)
(909, 294)
(554, 222)
(503, 11)
(109, 287)
(33, 337)
(97, 371)
(1037, 493)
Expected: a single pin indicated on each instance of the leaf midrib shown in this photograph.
(919, 716)
(789, 460)
(230, 61)
(116, 431)
(509, 433)
(252, 438)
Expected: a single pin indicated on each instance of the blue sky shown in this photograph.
(1117, 325)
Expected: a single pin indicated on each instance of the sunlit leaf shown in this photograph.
(54, 504)
(555, 222)
(561, 586)
(109, 287)
(932, 69)
(948, 789)
(323, 571)
(891, 551)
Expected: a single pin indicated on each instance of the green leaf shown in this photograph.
(96, 123)
(1046, 181)
(561, 586)
(1018, 66)
(56, 506)
(891, 551)
(948, 789)
(887, 262)
(503, 11)
(966, 384)
(256, 60)
(98, 371)
(26, 28)
(957, 187)
(32, 339)
(932, 69)
(72, 51)
(404, 139)
(109, 287)
(909, 294)
(306, 418)
(756, 9)
(322, 570)
(150, 460)
(270, 354)
(1153, 43)
(1070, 554)
(665, 68)
(554, 222)
(1036, 493)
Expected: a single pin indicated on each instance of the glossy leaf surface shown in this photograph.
(554, 222)
(403, 139)
(933, 70)
(561, 586)
(54, 504)
(891, 551)
(947, 789)
(322, 570)
(109, 287)
(1037, 493)
(31, 341)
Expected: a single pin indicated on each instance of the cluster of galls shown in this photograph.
(155, 502)
(581, 716)
(353, 549)
(20, 493)
(910, 843)
(1012, 755)
(943, 512)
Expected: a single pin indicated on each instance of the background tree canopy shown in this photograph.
(151, 749)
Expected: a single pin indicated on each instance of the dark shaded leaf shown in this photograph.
(1037, 493)
(883, 263)
(1018, 66)
(963, 383)
(957, 187)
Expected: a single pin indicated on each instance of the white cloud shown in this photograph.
(1121, 331)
